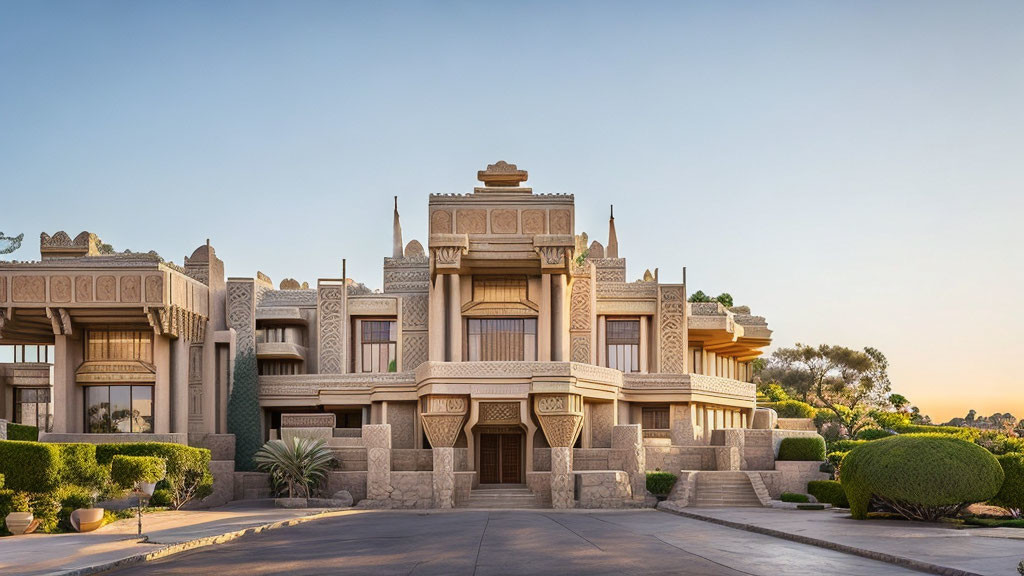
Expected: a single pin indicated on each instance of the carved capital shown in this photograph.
(443, 419)
(560, 416)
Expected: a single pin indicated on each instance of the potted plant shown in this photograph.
(87, 519)
(21, 521)
(300, 466)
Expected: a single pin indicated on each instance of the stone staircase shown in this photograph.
(724, 489)
(503, 496)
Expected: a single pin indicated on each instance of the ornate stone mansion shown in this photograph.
(506, 354)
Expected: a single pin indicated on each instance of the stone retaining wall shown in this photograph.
(354, 482)
(603, 489)
(411, 490)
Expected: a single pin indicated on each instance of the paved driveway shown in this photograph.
(512, 542)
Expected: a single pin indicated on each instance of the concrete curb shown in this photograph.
(179, 547)
(870, 554)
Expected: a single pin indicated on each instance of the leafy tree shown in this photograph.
(898, 401)
(847, 383)
(725, 299)
(700, 296)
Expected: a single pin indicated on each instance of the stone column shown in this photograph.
(444, 477)
(179, 385)
(685, 430)
(628, 448)
(436, 332)
(644, 346)
(559, 318)
(442, 423)
(602, 349)
(63, 385)
(544, 320)
(454, 327)
(377, 438)
(561, 418)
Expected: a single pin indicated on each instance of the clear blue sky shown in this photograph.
(853, 171)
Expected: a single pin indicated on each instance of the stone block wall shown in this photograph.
(412, 490)
(589, 458)
(412, 460)
(251, 485)
(463, 485)
(354, 482)
(603, 489)
(540, 484)
(794, 476)
(542, 459)
(350, 459)
(675, 458)
(3, 429)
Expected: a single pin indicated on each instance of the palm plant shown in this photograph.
(301, 464)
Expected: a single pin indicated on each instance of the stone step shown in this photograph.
(725, 489)
(505, 497)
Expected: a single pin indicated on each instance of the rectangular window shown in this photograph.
(113, 409)
(119, 345)
(623, 345)
(32, 407)
(655, 418)
(20, 353)
(502, 339)
(379, 341)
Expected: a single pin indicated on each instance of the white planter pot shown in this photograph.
(21, 522)
(87, 519)
(147, 488)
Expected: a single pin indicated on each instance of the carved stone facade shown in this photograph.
(485, 358)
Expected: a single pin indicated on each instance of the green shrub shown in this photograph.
(792, 409)
(806, 449)
(829, 492)
(22, 433)
(1011, 495)
(845, 445)
(919, 477)
(30, 466)
(660, 483)
(873, 434)
(79, 466)
(965, 432)
(999, 443)
(126, 471)
(188, 468)
(793, 497)
(71, 498)
(162, 497)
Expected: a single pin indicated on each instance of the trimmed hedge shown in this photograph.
(810, 449)
(792, 409)
(794, 497)
(126, 471)
(188, 468)
(1011, 495)
(919, 477)
(829, 492)
(660, 483)
(22, 433)
(79, 466)
(965, 432)
(30, 466)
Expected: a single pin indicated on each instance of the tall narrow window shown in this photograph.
(623, 341)
(502, 339)
(655, 418)
(32, 407)
(380, 345)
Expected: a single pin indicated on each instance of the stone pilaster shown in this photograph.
(561, 418)
(685, 432)
(444, 477)
(561, 477)
(377, 438)
(628, 448)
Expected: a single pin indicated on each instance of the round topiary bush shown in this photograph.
(1011, 495)
(828, 491)
(805, 449)
(794, 497)
(660, 483)
(919, 477)
(873, 434)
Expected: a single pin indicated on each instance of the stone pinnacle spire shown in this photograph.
(612, 251)
(397, 250)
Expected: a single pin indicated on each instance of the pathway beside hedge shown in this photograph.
(169, 532)
(987, 551)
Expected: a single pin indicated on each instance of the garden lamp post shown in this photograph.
(143, 490)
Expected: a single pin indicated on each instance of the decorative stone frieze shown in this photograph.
(308, 420)
(331, 323)
(443, 419)
(499, 413)
(672, 323)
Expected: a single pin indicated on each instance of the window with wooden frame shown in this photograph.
(655, 418)
(119, 345)
(622, 341)
(501, 339)
(379, 345)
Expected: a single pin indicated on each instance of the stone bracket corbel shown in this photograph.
(555, 252)
(443, 418)
(560, 416)
(446, 252)
(60, 321)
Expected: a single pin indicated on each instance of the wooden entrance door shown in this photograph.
(501, 457)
